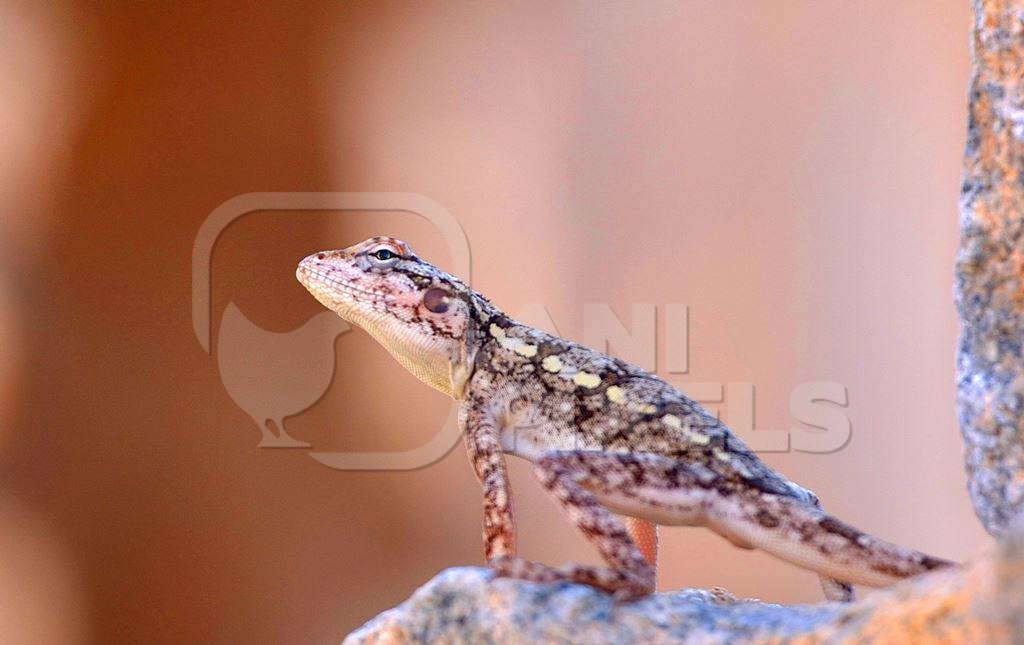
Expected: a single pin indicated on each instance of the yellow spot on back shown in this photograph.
(552, 363)
(526, 350)
(647, 408)
(496, 331)
(698, 438)
(615, 394)
(673, 421)
(586, 379)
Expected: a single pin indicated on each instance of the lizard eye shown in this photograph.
(436, 300)
(384, 254)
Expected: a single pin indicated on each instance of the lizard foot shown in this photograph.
(621, 584)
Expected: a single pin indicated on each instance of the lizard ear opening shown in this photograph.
(436, 300)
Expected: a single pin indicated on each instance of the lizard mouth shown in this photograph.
(322, 283)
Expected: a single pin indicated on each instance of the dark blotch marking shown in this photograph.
(832, 525)
(929, 563)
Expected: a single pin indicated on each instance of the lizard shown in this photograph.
(605, 438)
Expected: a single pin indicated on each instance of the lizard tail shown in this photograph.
(799, 532)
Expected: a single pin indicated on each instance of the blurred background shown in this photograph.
(788, 170)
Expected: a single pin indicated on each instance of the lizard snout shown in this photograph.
(310, 265)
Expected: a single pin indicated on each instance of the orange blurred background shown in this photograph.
(788, 170)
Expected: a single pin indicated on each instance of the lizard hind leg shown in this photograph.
(589, 485)
(669, 492)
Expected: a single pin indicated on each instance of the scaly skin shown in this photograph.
(604, 436)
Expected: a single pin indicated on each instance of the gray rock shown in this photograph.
(990, 266)
(464, 605)
(979, 603)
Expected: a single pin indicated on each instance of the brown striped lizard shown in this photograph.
(605, 438)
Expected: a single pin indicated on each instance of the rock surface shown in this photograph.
(990, 268)
(980, 604)
(465, 605)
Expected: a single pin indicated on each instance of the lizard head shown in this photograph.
(420, 314)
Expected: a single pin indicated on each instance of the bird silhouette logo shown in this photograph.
(276, 375)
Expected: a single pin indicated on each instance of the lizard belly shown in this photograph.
(664, 507)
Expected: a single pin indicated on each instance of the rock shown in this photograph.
(980, 603)
(990, 267)
(466, 605)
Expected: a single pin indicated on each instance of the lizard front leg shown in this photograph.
(484, 447)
